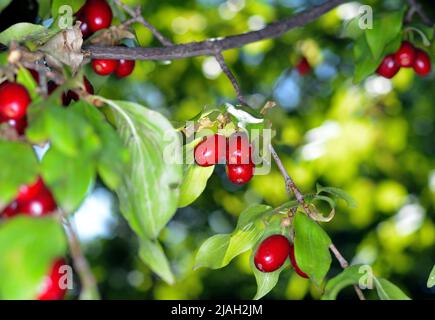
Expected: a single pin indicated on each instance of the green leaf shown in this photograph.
(384, 30)
(21, 32)
(28, 247)
(113, 156)
(149, 190)
(74, 4)
(266, 281)
(19, 166)
(194, 183)
(251, 215)
(153, 256)
(365, 63)
(218, 251)
(431, 279)
(389, 291)
(351, 29)
(4, 4)
(339, 193)
(26, 79)
(69, 178)
(311, 248)
(347, 277)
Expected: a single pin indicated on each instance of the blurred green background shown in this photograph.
(375, 140)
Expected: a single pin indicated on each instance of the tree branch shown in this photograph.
(415, 7)
(138, 17)
(211, 46)
(89, 286)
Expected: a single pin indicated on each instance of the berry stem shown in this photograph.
(89, 290)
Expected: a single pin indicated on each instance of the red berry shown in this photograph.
(52, 288)
(405, 56)
(104, 67)
(14, 100)
(294, 264)
(42, 204)
(303, 66)
(124, 68)
(10, 210)
(422, 65)
(98, 14)
(19, 125)
(239, 149)
(272, 253)
(240, 173)
(388, 67)
(211, 150)
(30, 191)
(84, 26)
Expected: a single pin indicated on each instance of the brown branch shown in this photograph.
(211, 46)
(137, 17)
(89, 285)
(416, 8)
(291, 188)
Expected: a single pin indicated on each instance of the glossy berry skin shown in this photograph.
(10, 210)
(14, 100)
(239, 149)
(294, 264)
(388, 67)
(124, 68)
(303, 67)
(104, 67)
(30, 191)
(210, 151)
(84, 26)
(19, 125)
(97, 14)
(405, 56)
(51, 288)
(240, 173)
(272, 253)
(40, 205)
(422, 65)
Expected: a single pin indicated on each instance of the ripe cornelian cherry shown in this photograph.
(10, 210)
(239, 150)
(104, 67)
(240, 173)
(294, 264)
(84, 26)
(97, 14)
(124, 68)
(14, 100)
(303, 66)
(272, 253)
(19, 125)
(422, 65)
(53, 286)
(405, 56)
(388, 67)
(30, 191)
(40, 205)
(210, 151)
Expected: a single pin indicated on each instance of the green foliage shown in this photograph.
(27, 258)
(349, 276)
(194, 182)
(20, 32)
(389, 291)
(311, 248)
(154, 257)
(25, 78)
(4, 4)
(431, 279)
(74, 4)
(19, 166)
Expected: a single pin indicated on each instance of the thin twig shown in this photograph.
(89, 285)
(220, 59)
(137, 17)
(211, 46)
(416, 8)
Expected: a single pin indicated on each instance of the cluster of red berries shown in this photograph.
(36, 200)
(273, 252)
(236, 152)
(96, 15)
(406, 57)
